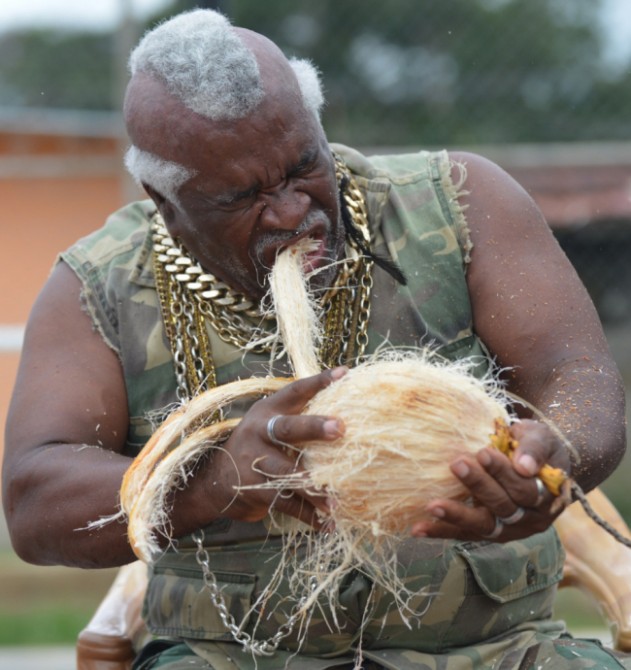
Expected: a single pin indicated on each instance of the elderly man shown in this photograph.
(227, 142)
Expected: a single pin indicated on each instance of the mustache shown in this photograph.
(282, 238)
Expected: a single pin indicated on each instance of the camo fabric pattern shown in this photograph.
(483, 605)
(414, 217)
(461, 598)
(525, 648)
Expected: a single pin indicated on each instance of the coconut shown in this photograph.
(406, 416)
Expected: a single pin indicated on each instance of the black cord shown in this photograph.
(386, 264)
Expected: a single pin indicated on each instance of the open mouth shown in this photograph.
(314, 253)
(312, 239)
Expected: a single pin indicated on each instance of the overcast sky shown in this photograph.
(104, 14)
(81, 13)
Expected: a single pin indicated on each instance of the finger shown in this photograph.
(294, 429)
(302, 507)
(543, 498)
(456, 521)
(289, 473)
(537, 445)
(501, 469)
(486, 489)
(292, 398)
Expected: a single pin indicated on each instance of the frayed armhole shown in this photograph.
(454, 190)
(88, 302)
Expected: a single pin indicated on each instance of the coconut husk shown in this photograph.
(407, 415)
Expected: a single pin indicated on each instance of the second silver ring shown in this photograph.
(514, 517)
(496, 532)
(541, 492)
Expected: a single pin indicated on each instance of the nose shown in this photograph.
(284, 208)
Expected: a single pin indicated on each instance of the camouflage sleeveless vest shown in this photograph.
(416, 219)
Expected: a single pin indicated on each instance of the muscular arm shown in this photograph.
(66, 430)
(536, 317)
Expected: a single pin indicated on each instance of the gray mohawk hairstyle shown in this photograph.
(205, 65)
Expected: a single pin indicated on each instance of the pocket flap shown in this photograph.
(512, 570)
(181, 605)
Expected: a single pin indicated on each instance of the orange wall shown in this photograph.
(40, 217)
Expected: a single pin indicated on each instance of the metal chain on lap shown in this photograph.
(257, 647)
(189, 297)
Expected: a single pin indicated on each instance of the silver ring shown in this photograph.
(514, 517)
(271, 436)
(541, 492)
(499, 527)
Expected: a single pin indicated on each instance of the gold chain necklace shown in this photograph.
(190, 297)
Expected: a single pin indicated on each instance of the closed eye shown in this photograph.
(307, 164)
(236, 201)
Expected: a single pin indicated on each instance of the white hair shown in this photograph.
(310, 84)
(166, 177)
(205, 65)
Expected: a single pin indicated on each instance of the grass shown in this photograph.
(579, 611)
(46, 605)
(51, 605)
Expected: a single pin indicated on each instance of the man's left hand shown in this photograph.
(509, 501)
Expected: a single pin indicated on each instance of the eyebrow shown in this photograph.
(308, 156)
(235, 196)
(230, 198)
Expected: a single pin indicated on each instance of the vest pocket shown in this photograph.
(506, 572)
(180, 604)
(507, 585)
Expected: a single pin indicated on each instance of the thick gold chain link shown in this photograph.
(189, 296)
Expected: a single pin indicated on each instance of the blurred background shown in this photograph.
(543, 87)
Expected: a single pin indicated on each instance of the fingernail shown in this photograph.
(528, 464)
(333, 428)
(438, 512)
(484, 458)
(418, 531)
(460, 469)
(338, 373)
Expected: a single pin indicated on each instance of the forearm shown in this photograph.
(585, 400)
(52, 494)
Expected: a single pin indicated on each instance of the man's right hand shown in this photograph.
(230, 482)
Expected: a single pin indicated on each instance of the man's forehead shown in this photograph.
(235, 179)
(160, 123)
(156, 120)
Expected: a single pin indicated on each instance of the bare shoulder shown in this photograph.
(507, 228)
(528, 303)
(489, 189)
(70, 386)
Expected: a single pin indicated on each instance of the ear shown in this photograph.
(166, 208)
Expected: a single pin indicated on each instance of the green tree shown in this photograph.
(399, 72)
(46, 68)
